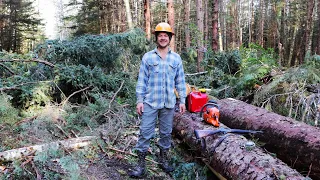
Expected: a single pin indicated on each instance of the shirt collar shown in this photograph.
(156, 50)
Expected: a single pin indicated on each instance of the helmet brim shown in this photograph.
(154, 32)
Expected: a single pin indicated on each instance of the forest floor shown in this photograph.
(104, 160)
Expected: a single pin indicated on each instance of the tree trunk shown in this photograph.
(73, 143)
(315, 45)
(101, 17)
(108, 17)
(206, 22)
(147, 18)
(215, 25)
(230, 159)
(261, 24)
(128, 13)
(186, 22)
(296, 43)
(171, 22)
(308, 27)
(200, 35)
(122, 18)
(239, 20)
(222, 27)
(250, 20)
(296, 143)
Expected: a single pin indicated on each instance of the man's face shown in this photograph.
(163, 40)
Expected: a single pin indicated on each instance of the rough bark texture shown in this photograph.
(171, 22)
(186, 22)
(147, 17)
(200, 48)
(215, 36)
(295, 143)
(230, 159)
(73, 143)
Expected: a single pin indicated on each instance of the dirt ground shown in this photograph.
(117, 169)
(111, 168)
(97, 162)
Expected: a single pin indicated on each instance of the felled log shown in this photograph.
(230, 158)
(295, 143)
(73, 143)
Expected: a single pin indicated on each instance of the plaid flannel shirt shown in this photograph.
(158, 78)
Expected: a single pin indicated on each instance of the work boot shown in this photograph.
(163, 161)
(139, 170)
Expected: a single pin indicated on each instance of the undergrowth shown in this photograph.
(90, 90)
(8, 114)
(288, 93)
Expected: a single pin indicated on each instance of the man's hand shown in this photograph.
(182, 108)
(140, 108)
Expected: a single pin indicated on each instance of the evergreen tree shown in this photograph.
(19, 23)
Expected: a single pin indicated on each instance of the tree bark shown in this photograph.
(147, 18)
(250, 20)
(296, 143)
(128, 13)
(316, 33)
(230, 159)
(261, 24)
(200, 35)
(186, 22)
(206, 22)
(222, 27)
(171, 22)
(309, 23)
(215, 25)
(73, 143)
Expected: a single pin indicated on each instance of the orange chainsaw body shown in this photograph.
(211, 113)
(211, 116)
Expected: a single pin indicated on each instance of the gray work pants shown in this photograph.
(148, 124)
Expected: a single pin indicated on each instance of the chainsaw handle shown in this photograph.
(214, 104)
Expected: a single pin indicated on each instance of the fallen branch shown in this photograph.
(73, 143)
(194, 74)
(213, 170)
(26, 120)
(129, 153)
(22, 84)
(29, 60)
(66, 100)
(124, 152)
(114, 96)
(60, 128)
(16, 86)
(7, 68)
(39, 177)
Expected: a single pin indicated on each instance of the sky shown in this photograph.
(48, 12)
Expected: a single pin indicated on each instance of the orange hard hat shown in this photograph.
(164, 27)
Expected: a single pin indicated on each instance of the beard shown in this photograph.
(163, 46)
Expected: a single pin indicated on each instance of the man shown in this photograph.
(160, 72)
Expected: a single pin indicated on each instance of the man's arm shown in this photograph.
(142, 81)
(181, 84)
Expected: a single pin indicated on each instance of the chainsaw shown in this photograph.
(211, 114)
